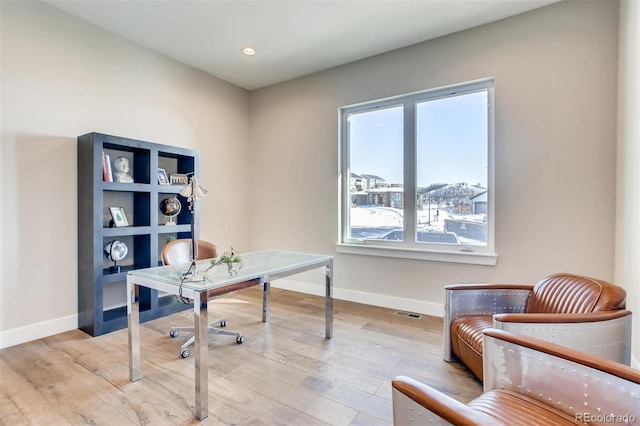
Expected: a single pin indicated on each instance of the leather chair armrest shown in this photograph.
(480, 300)
(419, 404)
(571, 381)
(606, 334)
(562, 318)
(486, 286)
(605, 366)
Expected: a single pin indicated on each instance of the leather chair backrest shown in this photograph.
(179, 251)
(574, 294)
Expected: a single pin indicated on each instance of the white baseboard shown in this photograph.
(37, 331)
(410, 305)
(48, 328)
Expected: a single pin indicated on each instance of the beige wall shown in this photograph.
(555, 78)
(627, 258)
(62, 78)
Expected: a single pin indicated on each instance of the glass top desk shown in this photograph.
(261, 267)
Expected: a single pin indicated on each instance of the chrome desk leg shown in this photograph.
(133, 322)
(266, 286)
(200, 325)
(328, 308)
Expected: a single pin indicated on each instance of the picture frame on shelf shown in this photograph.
(163, 179)
(179, 179)
(118, 218)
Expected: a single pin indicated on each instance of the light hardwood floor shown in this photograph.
(286, 372)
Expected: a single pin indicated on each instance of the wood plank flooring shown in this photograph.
(286, 372)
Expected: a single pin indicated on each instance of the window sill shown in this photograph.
(472, 258)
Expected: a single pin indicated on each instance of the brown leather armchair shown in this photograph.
(579, 312)
(528, 382)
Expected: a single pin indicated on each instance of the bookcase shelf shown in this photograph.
(102, 292)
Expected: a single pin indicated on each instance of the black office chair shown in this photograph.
(179, 251)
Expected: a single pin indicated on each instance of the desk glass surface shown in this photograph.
(254, 265)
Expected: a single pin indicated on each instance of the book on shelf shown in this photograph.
(105, 173)
(109, 170)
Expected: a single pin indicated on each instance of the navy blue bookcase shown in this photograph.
(101, 291)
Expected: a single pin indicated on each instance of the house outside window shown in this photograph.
(425, 163)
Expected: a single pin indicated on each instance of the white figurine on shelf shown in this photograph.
(121, 164)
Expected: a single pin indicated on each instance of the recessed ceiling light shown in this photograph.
(249, 51)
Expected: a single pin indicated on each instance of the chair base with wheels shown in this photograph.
(213, 329)
(179, 251)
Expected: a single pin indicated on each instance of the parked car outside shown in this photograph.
(424, 236)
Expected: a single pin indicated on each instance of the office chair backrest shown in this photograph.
(179, 251)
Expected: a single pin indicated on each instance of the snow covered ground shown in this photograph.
(374, 221)
(387, 216)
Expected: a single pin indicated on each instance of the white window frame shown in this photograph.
(408, 249)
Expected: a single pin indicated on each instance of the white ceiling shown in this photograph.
(292, 38)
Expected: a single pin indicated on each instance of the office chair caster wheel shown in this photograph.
(174, 333)
(240, 339)
(223, 323)
(185, 353)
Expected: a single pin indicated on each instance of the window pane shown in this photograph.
(452, 169)
(376, 161)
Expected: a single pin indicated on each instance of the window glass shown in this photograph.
(375, 188)
(451, 170)
(418, 170)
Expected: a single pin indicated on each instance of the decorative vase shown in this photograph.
(233, 268)
(232, 259)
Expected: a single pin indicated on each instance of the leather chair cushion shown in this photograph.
(573, 294)
(466, 340)
(516, 409)
(228, 289)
